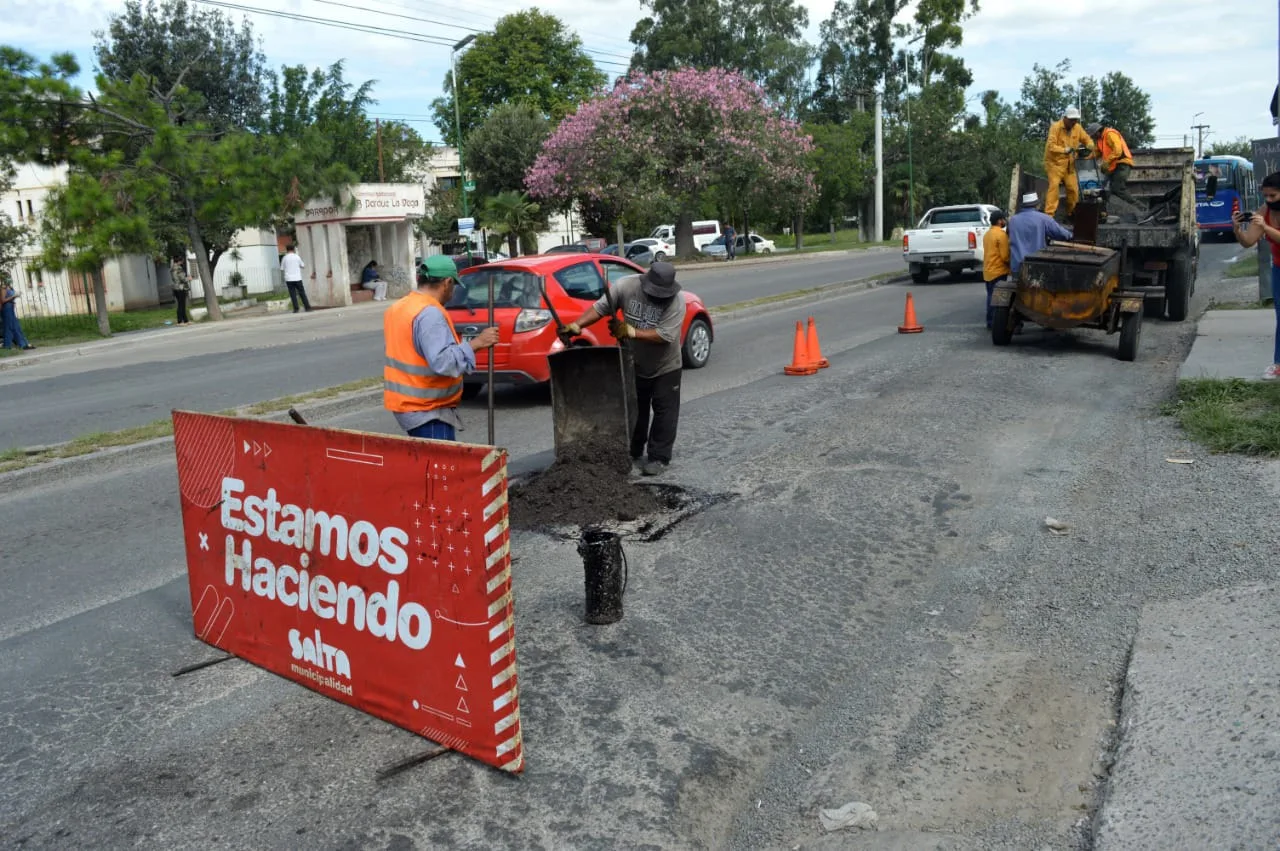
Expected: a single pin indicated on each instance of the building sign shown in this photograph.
(374, 570)
(466, 226)
(366, 201)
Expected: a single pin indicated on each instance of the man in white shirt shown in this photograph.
(291, 264)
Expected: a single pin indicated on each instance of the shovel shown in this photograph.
(593, 400)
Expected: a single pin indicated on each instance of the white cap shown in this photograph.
(1072, 112)
(1030, 199)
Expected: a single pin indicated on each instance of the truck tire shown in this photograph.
(921, 275)
(1153, 308)
(1177, 284)
(1130, 334)
(1002, 326)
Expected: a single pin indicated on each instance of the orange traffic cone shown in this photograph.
(815, 351)
(909, 324)
(800, 362)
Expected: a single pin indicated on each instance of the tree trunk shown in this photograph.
(621, 239)
(831, 224)
(684, 235)
(799, 231)
(513, 244)
(203, 265)
(100, 302)
(747, 245)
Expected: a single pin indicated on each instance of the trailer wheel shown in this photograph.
(1002, 326)
(1178, 283)
(1130, 333)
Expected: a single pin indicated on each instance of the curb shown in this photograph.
(103, 460)
(746, 309)
(781, 257)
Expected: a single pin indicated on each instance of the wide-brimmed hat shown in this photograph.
(660, 281)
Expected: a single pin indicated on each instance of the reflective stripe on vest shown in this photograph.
(1106, 152)
(408, 382)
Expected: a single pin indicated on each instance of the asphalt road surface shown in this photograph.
(876, 614)
(213, 369)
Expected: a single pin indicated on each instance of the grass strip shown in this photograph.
(1245, 267)
(1232, 415)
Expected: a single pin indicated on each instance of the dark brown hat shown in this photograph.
(660, 281)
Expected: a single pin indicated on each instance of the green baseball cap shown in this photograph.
(439, 266)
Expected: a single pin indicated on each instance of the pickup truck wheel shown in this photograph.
(921, 277)
(1177, 284)
(1130, 333)
(1002, 326)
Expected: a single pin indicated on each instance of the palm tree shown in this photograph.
(512, 215)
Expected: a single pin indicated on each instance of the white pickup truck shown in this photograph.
(947, 238)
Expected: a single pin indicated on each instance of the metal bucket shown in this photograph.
(605, 566)
(593, 402)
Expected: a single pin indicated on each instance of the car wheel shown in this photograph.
(766, 250)
(697, 345)
(659, 257)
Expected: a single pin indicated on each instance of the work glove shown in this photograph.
(573, 329)
(621, 330)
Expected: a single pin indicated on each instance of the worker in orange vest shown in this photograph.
(1113, 153)
(425, 357)
(1066, 141)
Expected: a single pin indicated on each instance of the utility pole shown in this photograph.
(1200, 128)
(457, 123)
(879, 223)
(382, 175)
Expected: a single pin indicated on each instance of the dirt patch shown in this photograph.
(585, 488)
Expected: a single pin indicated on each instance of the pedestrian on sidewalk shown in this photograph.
(995, 256)
(371, 279)
(181, 287)
(13, 335)
(291, 265)
(653, 315)
(425, 357)
(1264, 223)
(730, 242)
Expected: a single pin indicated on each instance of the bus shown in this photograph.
(1237, 192)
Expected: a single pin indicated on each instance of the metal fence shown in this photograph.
(54, 304)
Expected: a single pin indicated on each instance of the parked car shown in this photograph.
(703, 232)
(759, 244)
(947, 238)
(568, 248)
(466, 261)
(636, 253)
(526, 330)
(662, 249)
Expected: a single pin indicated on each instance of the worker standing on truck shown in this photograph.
(653, 315)
(1029, 231)
(1264, 223)
(995, 256)
(1113, 153)
(1066, 138)
(425, 357)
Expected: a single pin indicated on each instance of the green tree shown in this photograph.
(13, 237)
(1239, 147)
(1045, 96)
(502, 149)
(844, 170)
(530, 57)
(1114, 101)
(856, 57)
(760, 39)
(175, 41)
(444, 208)
(324, 111)
(1127, 108)
(515, 218)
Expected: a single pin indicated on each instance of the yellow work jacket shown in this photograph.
(1055, 149)
(995, 254)
(1113, 150)
(408, 382)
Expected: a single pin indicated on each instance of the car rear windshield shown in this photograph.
(511, 288)
(967, 216)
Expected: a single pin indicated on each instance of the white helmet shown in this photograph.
(1072, 112)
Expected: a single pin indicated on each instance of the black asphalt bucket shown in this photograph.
(605, 565)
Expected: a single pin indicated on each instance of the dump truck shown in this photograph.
(1158, 242)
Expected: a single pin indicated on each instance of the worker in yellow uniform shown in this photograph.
(995, 256)
(1066, 138)
(1117, 161)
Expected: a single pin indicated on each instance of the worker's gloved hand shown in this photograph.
(573, 329)
(486, 339)
(621, 330)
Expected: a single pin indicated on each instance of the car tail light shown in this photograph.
(973, 240)
(1235, 207)
(906, 242)
(531, 320)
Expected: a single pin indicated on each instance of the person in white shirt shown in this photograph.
(291, 264)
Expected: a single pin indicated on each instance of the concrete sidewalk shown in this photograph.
(1232, 344)
(1199, 760)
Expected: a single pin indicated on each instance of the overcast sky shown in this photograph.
(1215, 58)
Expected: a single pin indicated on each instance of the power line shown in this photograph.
(496, 13)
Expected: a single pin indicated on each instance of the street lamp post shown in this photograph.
(457, 123)
(911, 171)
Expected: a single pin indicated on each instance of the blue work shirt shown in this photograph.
(1029, 231)
(433, 339)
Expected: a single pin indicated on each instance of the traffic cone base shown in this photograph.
(800, 362)
(909, 324)
(815, 351)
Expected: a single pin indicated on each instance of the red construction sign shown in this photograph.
(374, 570)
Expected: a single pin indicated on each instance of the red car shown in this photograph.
(526, 329)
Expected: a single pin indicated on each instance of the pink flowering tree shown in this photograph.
(676, 139)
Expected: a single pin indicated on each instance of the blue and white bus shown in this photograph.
(1237, 192)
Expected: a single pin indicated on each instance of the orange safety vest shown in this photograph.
(408, 382)
(1107, 151)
